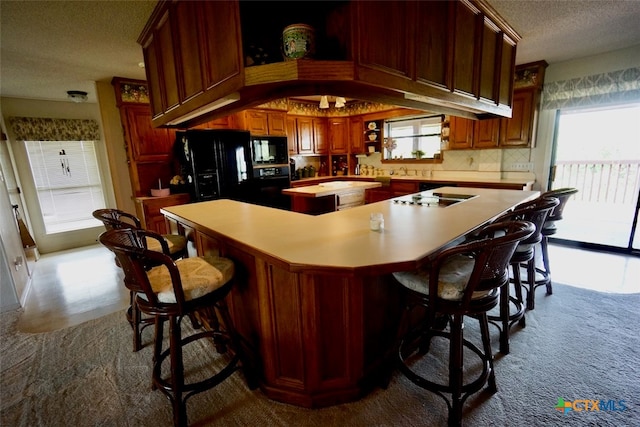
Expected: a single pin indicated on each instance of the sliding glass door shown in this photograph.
(597, 151)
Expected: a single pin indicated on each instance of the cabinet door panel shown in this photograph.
(465, 46)
(489, 65)
(320, 137)
(169, 80)
(292, 135)
(387, 50)
(486, 133)
(305, 135)
(460, 132)
(276, 122)
(338, 135)
(356, 135)
(517, 130)
(257, 122)
(432, 42)
(508, 58)
(152, 70)
(221, 42)
(148, 143)
(187, 54)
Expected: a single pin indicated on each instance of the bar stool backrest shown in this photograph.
(563, 195)
(115, 218)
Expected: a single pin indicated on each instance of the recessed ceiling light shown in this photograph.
(77, 95)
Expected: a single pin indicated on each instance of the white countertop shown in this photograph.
(331, 188)
(343, 239)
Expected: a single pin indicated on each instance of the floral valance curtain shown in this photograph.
(600, 89)
(43, 129)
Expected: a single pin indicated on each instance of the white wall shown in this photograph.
(611, 61)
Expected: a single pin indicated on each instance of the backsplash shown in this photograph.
(497, 163)
(512, 163)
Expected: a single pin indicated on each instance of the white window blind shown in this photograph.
(67, 181)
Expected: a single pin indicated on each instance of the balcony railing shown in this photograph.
(603, 181)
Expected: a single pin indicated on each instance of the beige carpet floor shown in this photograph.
(578, 344)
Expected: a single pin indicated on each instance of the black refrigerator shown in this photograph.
(215, 163)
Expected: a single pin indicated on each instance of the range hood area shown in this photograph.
(206, 60)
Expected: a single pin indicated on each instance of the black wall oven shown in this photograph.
(271, 171)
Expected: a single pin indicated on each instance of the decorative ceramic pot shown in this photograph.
(298, 41)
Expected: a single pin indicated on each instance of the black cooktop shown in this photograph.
(432, 199)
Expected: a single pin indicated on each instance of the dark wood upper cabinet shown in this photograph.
(519, 130)
(193, 57)
(338, 130)
(454, 57)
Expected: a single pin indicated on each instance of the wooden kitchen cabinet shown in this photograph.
(263, 123)
(356, 135)
(148, 210)
(518, 130)
(460, 133)
(307, 135)
(147, 143)
(338, 131)
(486, 133)
(149, 149)
(461, 52)
(455, 47)
(193, 55)
(292, 135)
(320, 137)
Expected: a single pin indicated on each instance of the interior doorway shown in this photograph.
(597, 151)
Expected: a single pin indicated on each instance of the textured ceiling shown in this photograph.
(50, 47)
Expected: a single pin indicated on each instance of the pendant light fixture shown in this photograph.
(324, 102)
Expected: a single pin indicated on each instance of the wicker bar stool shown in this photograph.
(170, 291)
(464, 280)
(549, 229)
(173, 245)
(535, 212)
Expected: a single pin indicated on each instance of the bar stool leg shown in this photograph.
(545, 260)
(486, 343)
(504, 314)
(177, 373)
(455, 370)
(157, 348)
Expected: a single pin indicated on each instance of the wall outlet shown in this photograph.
(521, 166)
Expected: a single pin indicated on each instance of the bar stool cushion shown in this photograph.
(154, 245)
(454, 276)
(200, 276)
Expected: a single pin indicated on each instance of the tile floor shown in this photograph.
(74, 286)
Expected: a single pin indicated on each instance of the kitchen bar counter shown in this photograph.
(314, 299)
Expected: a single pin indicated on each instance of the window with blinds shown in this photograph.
(67, 181)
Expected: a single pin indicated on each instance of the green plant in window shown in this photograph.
(418, 154)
